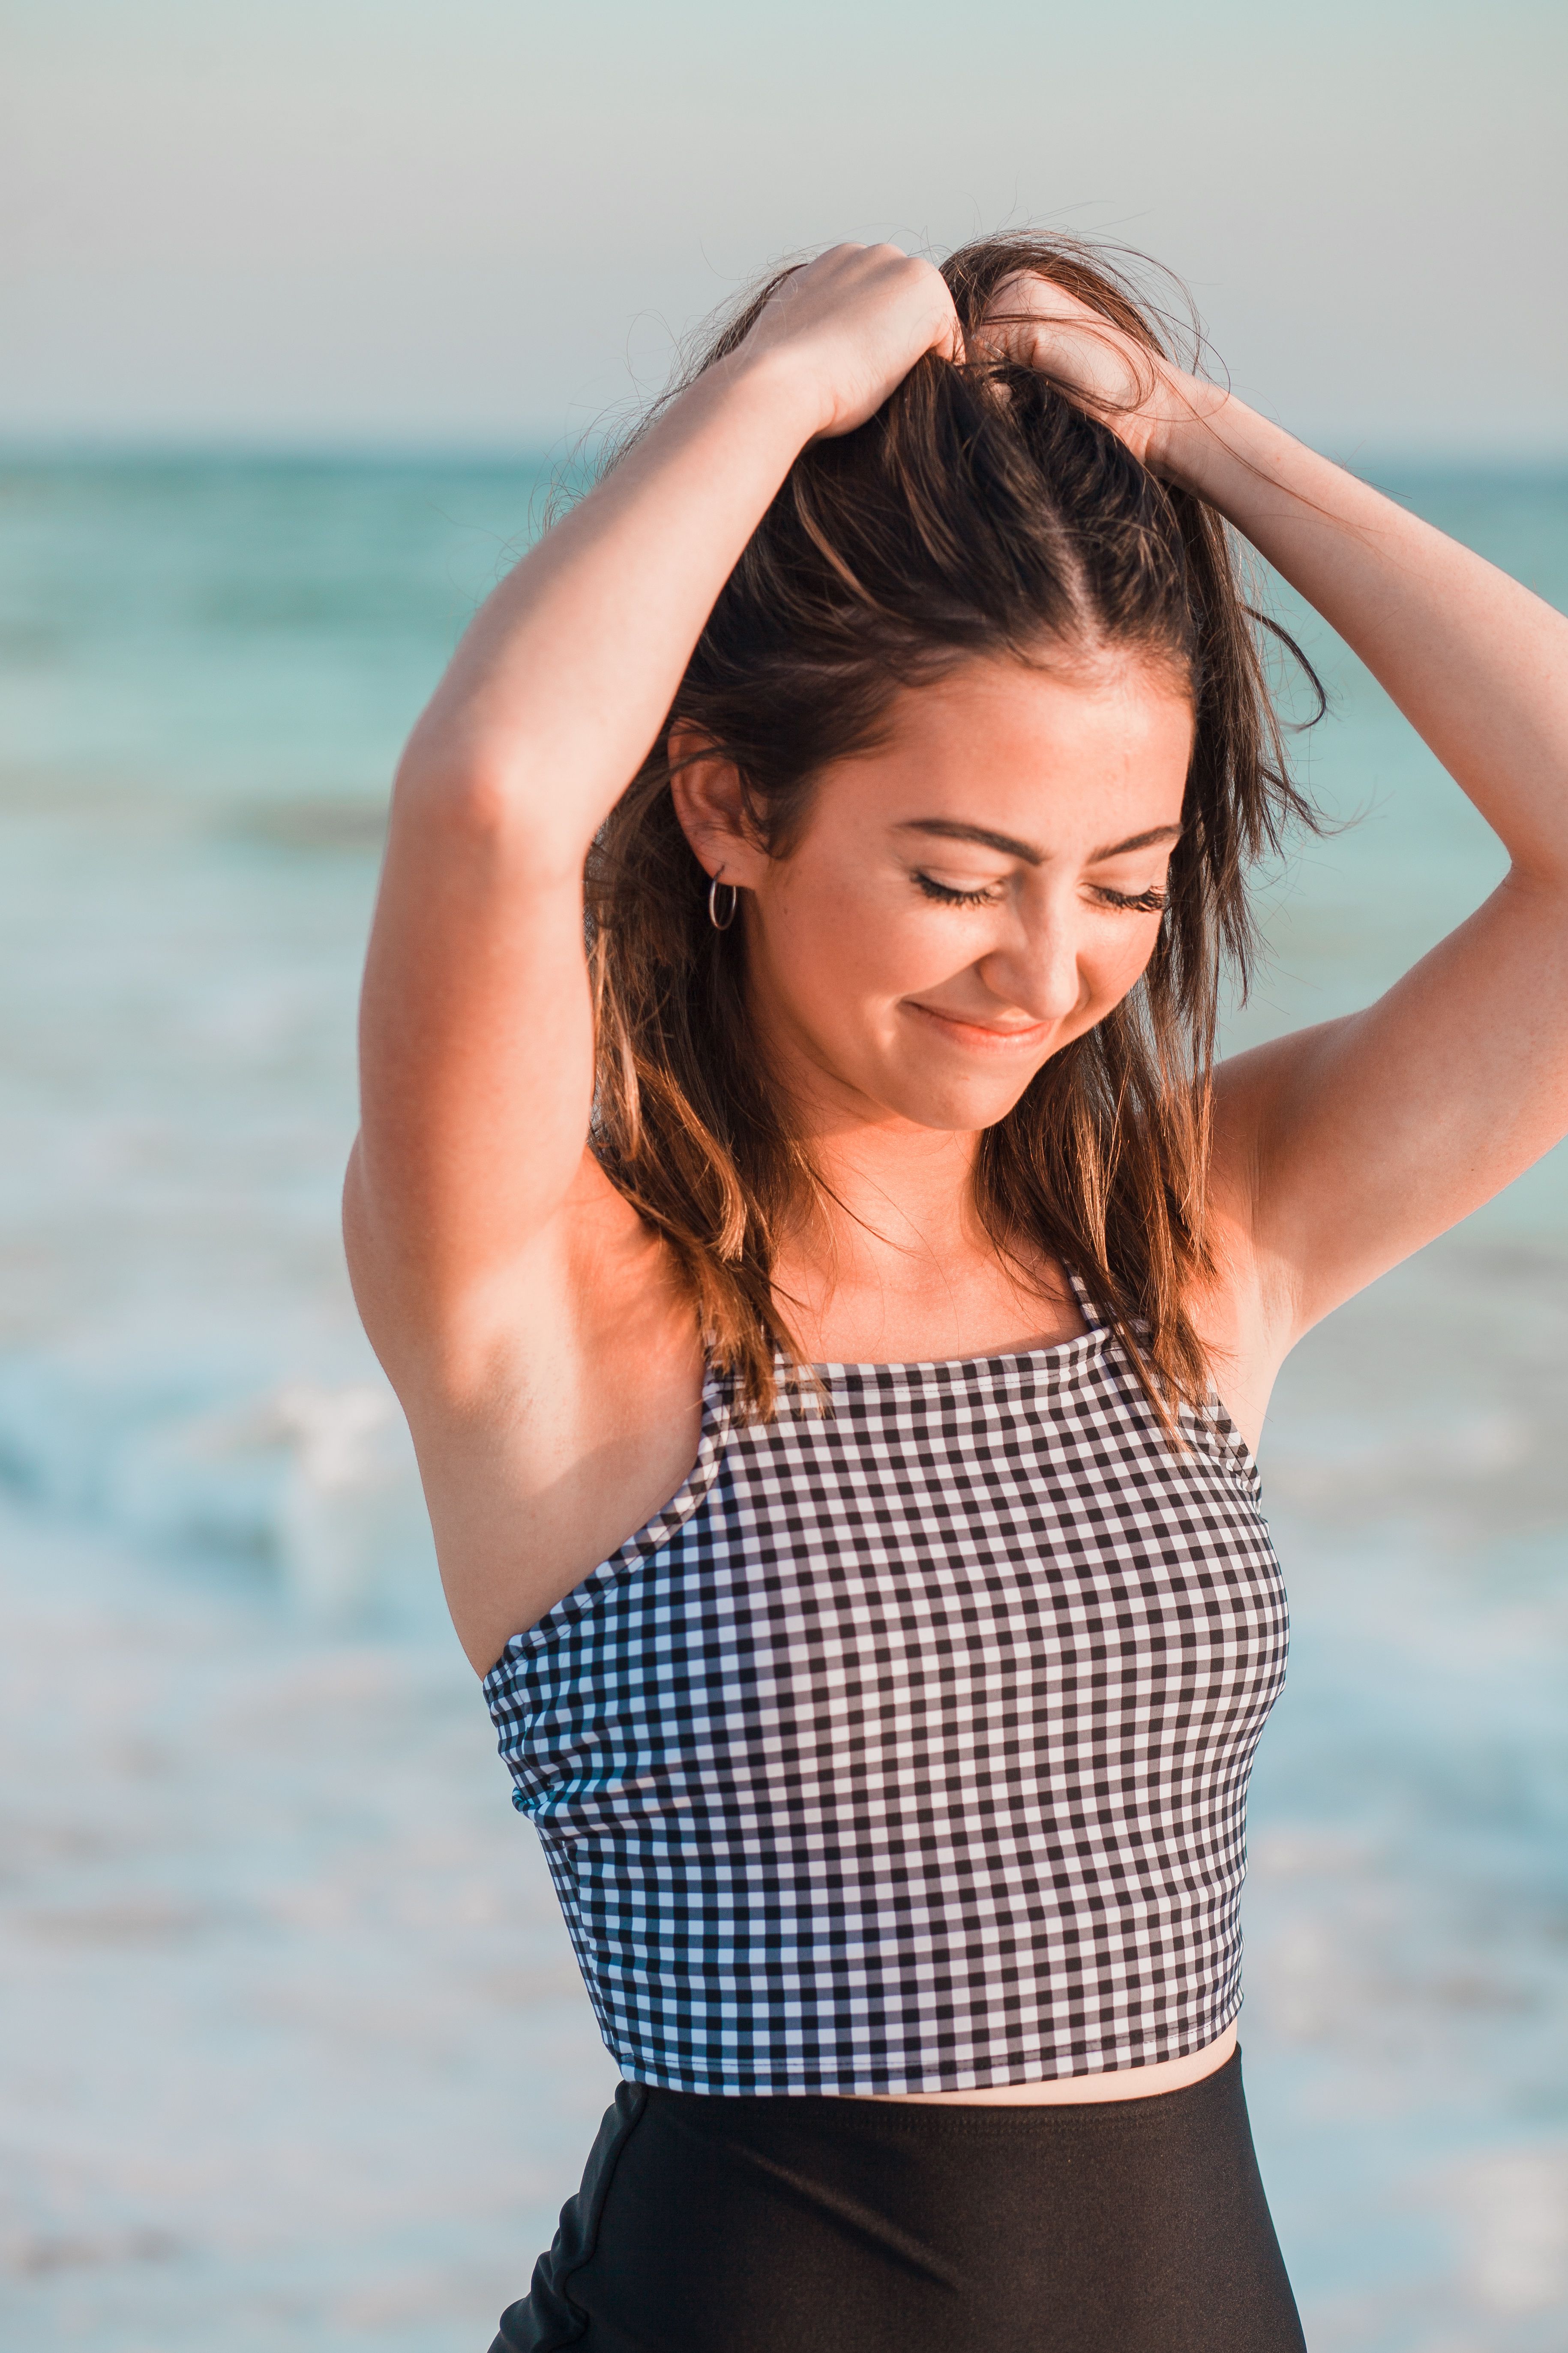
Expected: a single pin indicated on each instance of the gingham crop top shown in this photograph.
(907, 1748)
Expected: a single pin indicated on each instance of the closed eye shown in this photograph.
(1134, 902)
(946, 896)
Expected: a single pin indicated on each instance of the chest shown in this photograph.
(939, 1583)
(911, 1573)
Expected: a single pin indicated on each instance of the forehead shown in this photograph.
(1045, 754)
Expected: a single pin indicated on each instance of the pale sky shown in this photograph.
(481, 220)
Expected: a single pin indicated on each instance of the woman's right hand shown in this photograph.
(850, 326)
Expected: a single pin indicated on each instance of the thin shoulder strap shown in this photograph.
(1086, 1306)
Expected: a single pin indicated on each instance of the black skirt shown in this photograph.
(825, 2225)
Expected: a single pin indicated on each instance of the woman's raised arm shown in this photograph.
(477, 1050)
(1341, 1149)
(1363, 1138)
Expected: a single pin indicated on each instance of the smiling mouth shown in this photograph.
(986, 1037)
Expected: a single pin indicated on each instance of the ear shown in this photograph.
(706, 790)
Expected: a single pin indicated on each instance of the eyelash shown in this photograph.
(947, 897)
(1141, 903)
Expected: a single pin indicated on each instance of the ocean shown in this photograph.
(294, 2051)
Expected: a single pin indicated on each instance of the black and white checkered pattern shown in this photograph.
(907, 1748)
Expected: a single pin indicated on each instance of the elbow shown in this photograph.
(469, 787)
(1539, 877)
(458, 800)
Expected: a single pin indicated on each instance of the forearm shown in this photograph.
(559, 684)
(1477, 663)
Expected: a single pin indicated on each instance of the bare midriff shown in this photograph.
(1062, 2091)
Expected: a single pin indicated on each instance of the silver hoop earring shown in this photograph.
(722, 922)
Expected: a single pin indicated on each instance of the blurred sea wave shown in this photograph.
(294, 2032)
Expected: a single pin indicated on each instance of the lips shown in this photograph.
(987, 1036)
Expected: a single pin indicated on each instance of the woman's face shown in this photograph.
(968, 897)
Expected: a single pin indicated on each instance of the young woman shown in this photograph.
(813, 1278)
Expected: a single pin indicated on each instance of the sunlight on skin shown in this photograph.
(908, 984)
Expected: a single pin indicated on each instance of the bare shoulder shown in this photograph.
(552, 1414)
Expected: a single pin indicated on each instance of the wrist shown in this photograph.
(1183, 438)
(783, 385)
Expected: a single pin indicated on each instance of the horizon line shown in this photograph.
(369, 447)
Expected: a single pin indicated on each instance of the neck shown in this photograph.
(892, 1191)
(894, 1264)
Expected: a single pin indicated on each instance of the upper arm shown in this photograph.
(477, 1037)
(476, 1061)
(1352, 1144)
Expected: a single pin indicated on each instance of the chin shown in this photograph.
(957, 1109)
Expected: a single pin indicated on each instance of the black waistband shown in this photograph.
(750, 2118)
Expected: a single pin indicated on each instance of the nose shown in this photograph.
(1038, 970)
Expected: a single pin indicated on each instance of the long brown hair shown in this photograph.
(954, 523)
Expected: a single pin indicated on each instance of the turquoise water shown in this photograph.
(292, 2032)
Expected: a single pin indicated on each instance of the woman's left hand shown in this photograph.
(1142, 395)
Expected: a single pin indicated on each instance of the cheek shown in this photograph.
(1114, 966)
(836, 947)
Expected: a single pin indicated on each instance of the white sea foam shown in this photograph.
(312, 1487)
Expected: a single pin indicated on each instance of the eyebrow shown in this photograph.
(949, 830)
